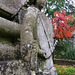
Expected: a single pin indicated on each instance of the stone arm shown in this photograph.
(37, 36)
(41, 28)
(45, 35)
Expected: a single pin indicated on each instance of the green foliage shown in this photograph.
(56, 5)
(61, 48)
(71, 22)
(65, 70)
(70, 54)
(69, 71)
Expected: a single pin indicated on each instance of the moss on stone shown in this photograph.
(5, 40)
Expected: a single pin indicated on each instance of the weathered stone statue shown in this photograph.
(35, 32)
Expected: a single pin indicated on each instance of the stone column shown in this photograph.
(37, 37)
(28, 36)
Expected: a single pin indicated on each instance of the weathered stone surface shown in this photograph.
(49, 68)
(28, 43)
(12, 6)
(36, 35)
(10, 28)
(40, 3)
(8, 52)
(21, 14)
(37, 27)
(5, 14)
(14, 67)
(45, 34)
(45, 38)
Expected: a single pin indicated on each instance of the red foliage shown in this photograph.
(61, 29)
(69, 18)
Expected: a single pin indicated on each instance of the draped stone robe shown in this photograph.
(37, 37)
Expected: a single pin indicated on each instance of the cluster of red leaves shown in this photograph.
(61, 29)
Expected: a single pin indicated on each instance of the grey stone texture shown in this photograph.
(27, 47)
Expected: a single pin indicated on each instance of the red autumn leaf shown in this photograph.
(62, 10)
(56, 13)
(69, 18)
(63, 19)
(61, 34)
(56, 30)
(68, 34)
(54, 26)
(74, 25)
(60, 26)
(63, 13)
(61, 29)
(54, 20)
(64, 24)
(57, 17)
(57, 35)
(71, 28)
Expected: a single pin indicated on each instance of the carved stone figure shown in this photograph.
(31, 41)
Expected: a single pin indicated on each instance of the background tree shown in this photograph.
(61, 49)
(56, 5)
